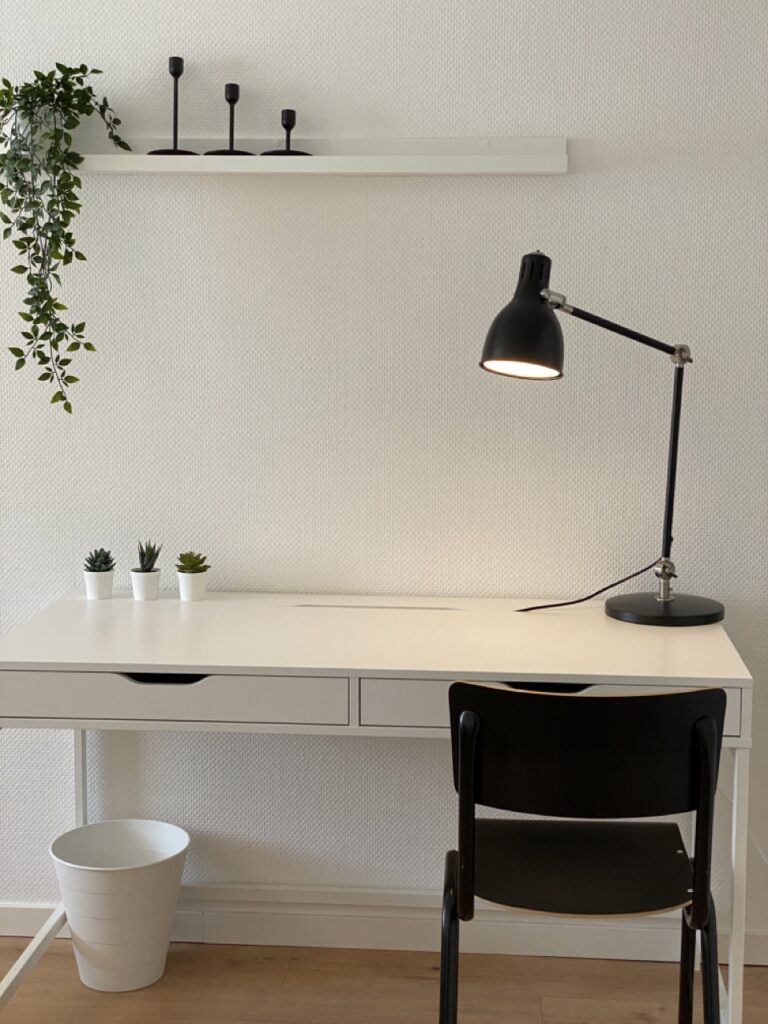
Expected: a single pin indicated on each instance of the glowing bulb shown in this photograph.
(515, 368)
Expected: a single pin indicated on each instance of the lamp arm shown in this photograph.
(558, 301)
(609, 325)
(681, 355)
(664, 568)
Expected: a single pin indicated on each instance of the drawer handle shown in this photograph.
(165, 678)
(547, 687)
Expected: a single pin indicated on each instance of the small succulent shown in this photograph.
(99, 560)
(189, 561)
(148, 556)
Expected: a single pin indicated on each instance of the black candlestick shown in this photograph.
(231, 95)
(288, 119)
(176, 70)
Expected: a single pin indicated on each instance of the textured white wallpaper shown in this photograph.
(286, 375)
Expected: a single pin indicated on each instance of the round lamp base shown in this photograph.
(647, 610)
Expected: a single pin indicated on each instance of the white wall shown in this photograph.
(287, 376)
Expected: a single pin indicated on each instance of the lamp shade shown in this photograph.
(525, 340)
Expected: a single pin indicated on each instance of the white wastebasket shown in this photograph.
(119, 883)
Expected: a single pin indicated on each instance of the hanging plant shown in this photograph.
(39, 192)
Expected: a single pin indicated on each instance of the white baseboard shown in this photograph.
(396, 919)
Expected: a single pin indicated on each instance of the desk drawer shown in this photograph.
(414, 703)
(306, 700)
(423, 703)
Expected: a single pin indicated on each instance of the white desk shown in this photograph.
(343, 665)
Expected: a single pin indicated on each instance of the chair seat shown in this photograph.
(585, 868)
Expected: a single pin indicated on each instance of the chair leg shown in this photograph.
(687, 967)
(449, 946)
(710, 968)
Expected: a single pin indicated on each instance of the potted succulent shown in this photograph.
(98, 573)
(191, 570)
(145, 579)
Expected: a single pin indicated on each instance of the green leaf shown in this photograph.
(18, 269)
(18, 352)
(79, 255)
(89, 346)
(73, 346)
(59, 305)
(59, 396)
(19, 363)
(68, 407)
(71, 380)
(25, 316)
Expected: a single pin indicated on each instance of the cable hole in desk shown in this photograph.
(383, 607)
(165, 678)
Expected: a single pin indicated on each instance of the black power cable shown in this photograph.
(578, 600)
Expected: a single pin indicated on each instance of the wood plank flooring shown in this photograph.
(207, 984)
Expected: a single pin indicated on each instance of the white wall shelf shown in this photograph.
(343, 156)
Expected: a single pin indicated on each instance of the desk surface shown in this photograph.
(283, 633)
(375, 666)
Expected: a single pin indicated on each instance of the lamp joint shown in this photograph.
(681, 355)
(555, 300)
(665, 573)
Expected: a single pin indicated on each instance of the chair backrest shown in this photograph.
(585, 757)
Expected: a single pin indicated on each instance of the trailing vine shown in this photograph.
(39, 190)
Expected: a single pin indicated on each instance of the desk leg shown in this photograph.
(19, 971)
(81, 778)
(34, 950)
(739, 837)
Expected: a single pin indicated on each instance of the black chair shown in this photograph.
(567, 756)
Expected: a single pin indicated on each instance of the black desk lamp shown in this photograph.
(526, 341)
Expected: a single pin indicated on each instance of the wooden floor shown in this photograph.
(283, 985)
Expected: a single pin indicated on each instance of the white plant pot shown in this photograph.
(192, 585)
(38, 145)
(119, 883)
(98, 585)
(146, 585)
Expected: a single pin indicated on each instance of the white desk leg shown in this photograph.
(34, 950)
(81, 778)
(18, 972)
(739, 838)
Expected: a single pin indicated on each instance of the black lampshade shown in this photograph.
(525, 339)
